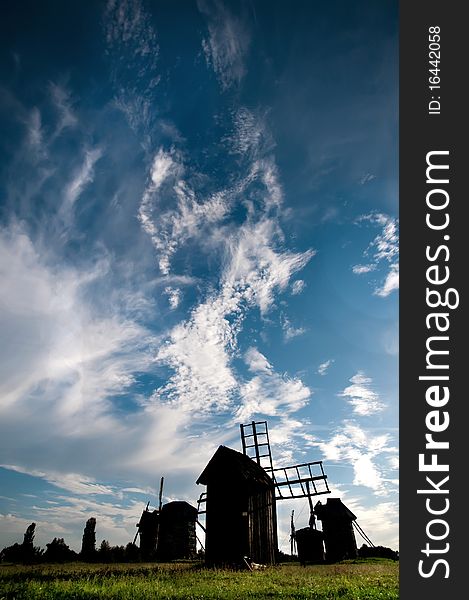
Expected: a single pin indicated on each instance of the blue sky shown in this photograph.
(198, 227)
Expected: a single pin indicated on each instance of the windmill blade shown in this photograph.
(138, 524)
(292, 534)
(161, 494)
(256, 444)
(363, 534)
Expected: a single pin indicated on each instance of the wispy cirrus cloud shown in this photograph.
(362, 450)
(62, 102)
(361, 269)
(289, 331)
(72, 356)
(324, 367)
(253, 268)
(360, 395)
(35, 133)
(175, 224)
(366, 178)
(256, 268)
(249, 137)
(71, 482)
(269, 393)
(83, 177)
(383, 250)
(198, 352)
(133, 50)
(200, 349)
(297, 287)
(227, 44)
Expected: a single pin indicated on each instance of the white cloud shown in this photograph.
(361, 396)
(115, 521)
(198, 353)
(185, 218)
(379, 520)
(367, 178)
(72, 482)
(174, 297)
(297, 287)
(381, 523)
(256, 361)
(61, 99)
(269, 393)
(255, 269)
(248, 133)
(250, 138)
(60, 356)
(391, 283)
(383, 249)
(324, 367)
(163, 166)
(83, 177)
(133, 50)
(289, 331)
(199, 350)
(227, 44)
(360, 269)
(35, 132)
(361, 449)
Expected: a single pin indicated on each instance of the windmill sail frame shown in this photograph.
(295, 481)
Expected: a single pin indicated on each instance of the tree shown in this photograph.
(88, 545)
(58, 551)
(132, 552)
(13, 554)
(25, 552)
(104, 551)
(28, 537)
(30, 553)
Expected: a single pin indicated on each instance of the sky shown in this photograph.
(198, 228)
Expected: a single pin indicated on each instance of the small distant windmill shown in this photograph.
(149, 526)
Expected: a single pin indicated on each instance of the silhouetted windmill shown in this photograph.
(242, 490)
(149, 526)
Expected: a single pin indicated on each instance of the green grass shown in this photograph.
(364, 580)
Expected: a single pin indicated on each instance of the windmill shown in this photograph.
(242, 490)
(149, 527)
(168, 532)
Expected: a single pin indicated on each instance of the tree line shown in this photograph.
(57, 551)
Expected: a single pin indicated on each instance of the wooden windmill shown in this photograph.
(149, 526)
(242, 491)
(167, 533)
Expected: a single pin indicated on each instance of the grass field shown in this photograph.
(365, 580)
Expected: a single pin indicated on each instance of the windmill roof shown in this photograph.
(333, 508)
(180, 506)
(230, 463)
